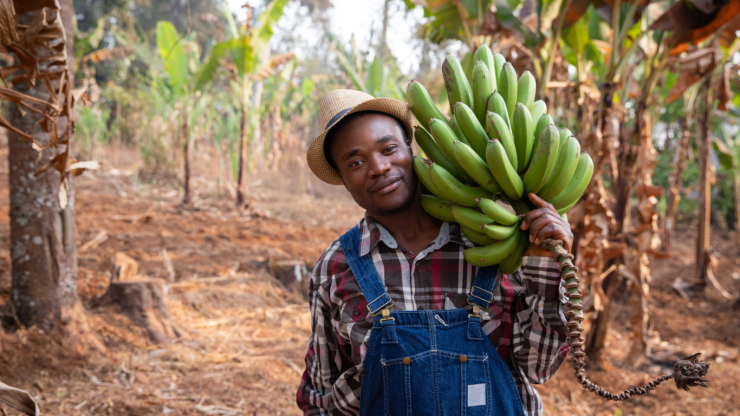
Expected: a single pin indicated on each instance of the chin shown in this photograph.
(395, 202)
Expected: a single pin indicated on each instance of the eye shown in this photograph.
(390, 148)
(355, 163)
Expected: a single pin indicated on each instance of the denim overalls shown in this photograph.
(429, 362)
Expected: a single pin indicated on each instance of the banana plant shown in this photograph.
(181, 77)
(380, 80)
(247, 49)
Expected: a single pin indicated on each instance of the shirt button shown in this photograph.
(357, 312)
(407, 360)
(463, 358)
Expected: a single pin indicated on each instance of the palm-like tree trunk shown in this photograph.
(186, 152)
(42, 229)
(705, 187)
(241, 181)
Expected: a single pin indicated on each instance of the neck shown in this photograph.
(409, 224)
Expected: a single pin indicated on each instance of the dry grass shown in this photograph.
(246, 334)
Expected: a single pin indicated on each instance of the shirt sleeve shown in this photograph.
(539, 337)
(328, 362)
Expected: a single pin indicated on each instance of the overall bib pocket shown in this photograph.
(423, 384)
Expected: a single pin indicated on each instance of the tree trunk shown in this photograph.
(258, 146)
(629, 151)
(241, 180)
(144, 302)
(186, 152)
(705, 187)
(674, 183)
(42, 231)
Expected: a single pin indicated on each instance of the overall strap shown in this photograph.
(482, 292)
(364, 270)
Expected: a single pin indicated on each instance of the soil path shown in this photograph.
(246, 333)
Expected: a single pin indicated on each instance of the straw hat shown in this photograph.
(337, 105)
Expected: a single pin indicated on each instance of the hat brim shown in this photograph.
(317, 159)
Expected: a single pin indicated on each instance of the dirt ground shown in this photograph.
(245, 333)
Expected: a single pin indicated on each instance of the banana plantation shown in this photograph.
(161, 219)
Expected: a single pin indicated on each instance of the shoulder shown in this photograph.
(331, 262)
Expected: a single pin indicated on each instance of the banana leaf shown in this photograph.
(173, 56)
(374, 80)
(206, 72)
(576, 36)
(269, 18)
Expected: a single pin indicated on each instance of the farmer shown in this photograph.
(401, 323)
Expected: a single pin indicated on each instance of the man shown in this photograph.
(388, 332)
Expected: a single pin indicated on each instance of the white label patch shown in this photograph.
(476, 395)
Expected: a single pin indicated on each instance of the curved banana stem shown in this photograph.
(687, 372)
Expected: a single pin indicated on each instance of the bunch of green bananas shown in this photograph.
(498, 144)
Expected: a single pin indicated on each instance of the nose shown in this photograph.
(379, 165)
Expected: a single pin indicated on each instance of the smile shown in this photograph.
(388, 187)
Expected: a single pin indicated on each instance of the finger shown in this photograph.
(552, 230)
(538, 223)
(539, 202)
(532, 216)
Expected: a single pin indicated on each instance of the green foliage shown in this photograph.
(173, 56)
(91, 130)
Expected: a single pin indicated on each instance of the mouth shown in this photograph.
(387, 185)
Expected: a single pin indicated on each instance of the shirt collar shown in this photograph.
(373, 233)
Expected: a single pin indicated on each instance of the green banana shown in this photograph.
(481, 85)
(475, 167)
(498, 62)
(564, 169)
(471, 128)
(581, 178)
(500, 232)
(458, 89)
(470, 218)
(544, 121)
(538, 109)
(496, 104)
(492, 253)
(525, 89)
(502, 170)
(496, 212)
(476, 237)
(446, 138)
(514, 262)
(421, 167)
(437, 207)
(543, 160)
(433, 152)
(497, 129)
(562, 211)
(564, 132)
(523, 129)
(421, 104)
(507, 87)
(483, 53)
(456, 128)
(453, 190)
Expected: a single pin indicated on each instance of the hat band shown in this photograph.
(336, 118)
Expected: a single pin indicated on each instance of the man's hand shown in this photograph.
(545, 222)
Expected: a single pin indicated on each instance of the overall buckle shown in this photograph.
(476, 311)
(386, 315)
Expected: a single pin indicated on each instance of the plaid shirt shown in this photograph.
(524, 321)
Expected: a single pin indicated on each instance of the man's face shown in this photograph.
(375, 163)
